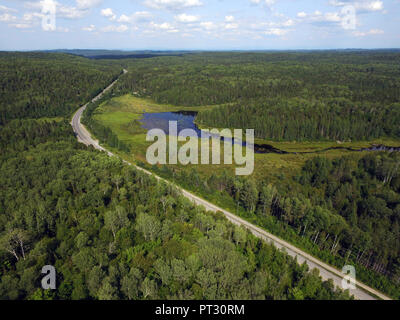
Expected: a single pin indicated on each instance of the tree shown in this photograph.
(81, 240)
(14, 242)
(117, 180)
(116, 219)
(180, 272)
(95, 279)
(208, 283)
(267, 196)
(164, 271)
(107, 291)
(296, 294)
(149, 288)
(249, 195)
(239, 235)
(148, 225)
(130, 284)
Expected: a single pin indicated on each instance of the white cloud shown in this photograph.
(137, 17)
(361, 6)
(332, 17)
(140, 16)
(124, 18)
(282, 24)
(90, 28)
(88, 4)
(108, 13)
(80, 10)
(20, 25)
(319, 18)
(368, 33)
(287, 23)
(376, 31)
(208, 25)
(172, 4)
(184, 18)
(7, 9)
(28, 20)
(32, 16)
(276, 32)
(163, 26)
(271, 28)
(70, 12)
(268, 3)
(229, 18)
(167, 27)
(6, 17)
(112, 28)
(231, 26)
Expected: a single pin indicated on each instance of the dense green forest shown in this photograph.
(342, 211)
(283, 96)
(113, 232)
(337, 119)
(35, 85)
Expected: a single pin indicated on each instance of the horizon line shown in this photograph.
(198, 50)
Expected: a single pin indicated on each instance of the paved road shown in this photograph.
(362, 291)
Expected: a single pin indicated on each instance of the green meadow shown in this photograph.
(123, 114)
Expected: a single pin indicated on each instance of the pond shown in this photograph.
(185, 120)
(161, 121)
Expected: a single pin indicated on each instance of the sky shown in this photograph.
(199, 24)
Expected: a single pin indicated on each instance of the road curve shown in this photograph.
(362, 292)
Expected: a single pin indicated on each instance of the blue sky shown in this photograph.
(200, 24)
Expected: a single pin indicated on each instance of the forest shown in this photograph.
(283, 96)
(340, 209)
(111, 231)
(36, 85)
(296, 119)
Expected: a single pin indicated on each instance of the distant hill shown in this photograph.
(119, 54)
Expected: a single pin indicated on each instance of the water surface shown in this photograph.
(185, 120)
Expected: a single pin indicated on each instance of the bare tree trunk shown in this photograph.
(304, 231)
(334, 245)
(22, 249)
(348, 255)
(369, 257)
(316, 237)
(359, 259)
(14, 254)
